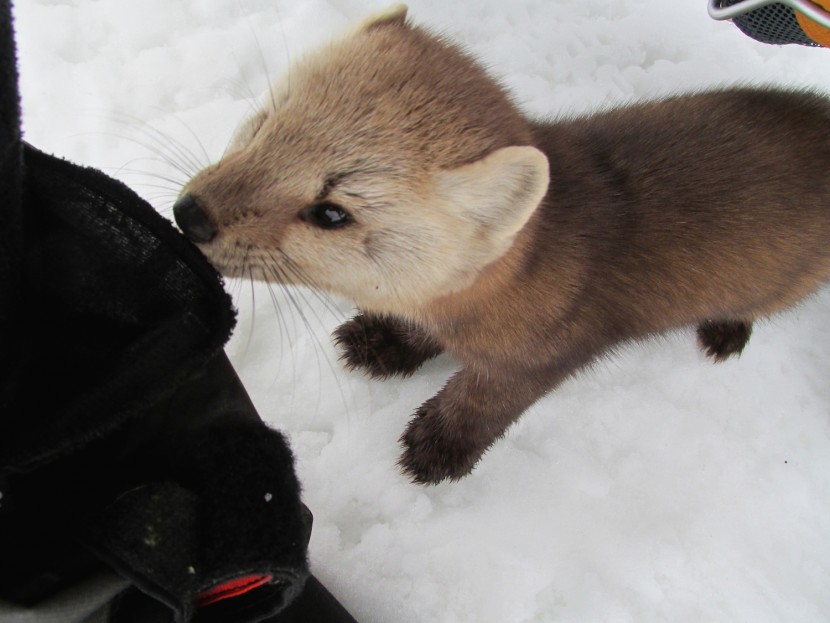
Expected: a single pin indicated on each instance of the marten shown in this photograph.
(392, 170)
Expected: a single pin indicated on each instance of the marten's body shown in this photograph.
(525, 249)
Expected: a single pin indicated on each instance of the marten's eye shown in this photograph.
(326, 215)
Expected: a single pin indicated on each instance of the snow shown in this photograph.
(654, 487)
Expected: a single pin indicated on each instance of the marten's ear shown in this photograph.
(395, 14)
(499, 192)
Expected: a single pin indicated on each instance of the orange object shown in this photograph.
(815, 31)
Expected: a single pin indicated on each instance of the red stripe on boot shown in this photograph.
(230, 589)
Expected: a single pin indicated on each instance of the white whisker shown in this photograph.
(174, 148)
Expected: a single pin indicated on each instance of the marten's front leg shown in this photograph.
(384, 345)
(452, 430)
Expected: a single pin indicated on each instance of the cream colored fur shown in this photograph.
(376, 123)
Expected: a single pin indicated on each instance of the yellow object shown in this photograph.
(816, 32)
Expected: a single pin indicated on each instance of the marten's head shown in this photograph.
(388, 168)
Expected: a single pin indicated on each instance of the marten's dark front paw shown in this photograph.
(721, 340)
(434, 451)
(384, 346)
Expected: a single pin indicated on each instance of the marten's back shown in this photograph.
(702, 204)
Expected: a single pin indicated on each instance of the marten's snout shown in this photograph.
(192, 220)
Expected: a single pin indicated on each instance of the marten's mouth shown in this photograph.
(237, 259)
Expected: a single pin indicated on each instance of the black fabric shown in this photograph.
(11, 155)
(222, 500)
(126, 438)
(118, 310)
(126, 421)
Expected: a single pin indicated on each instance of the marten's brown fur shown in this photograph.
(394, 171)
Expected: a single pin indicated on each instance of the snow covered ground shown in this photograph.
(656, 487)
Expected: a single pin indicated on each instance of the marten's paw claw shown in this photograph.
(721, 340)
(432, 452)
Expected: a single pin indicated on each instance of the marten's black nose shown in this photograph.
(192, 220)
